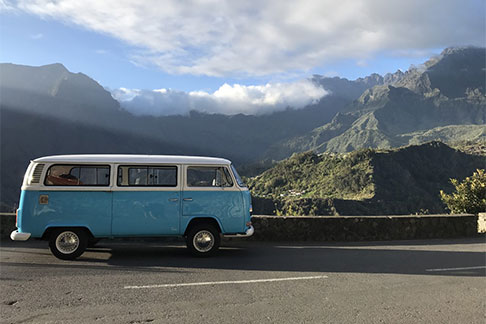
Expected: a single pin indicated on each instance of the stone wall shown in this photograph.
(7, 225)
(368, 228)
(346, 228)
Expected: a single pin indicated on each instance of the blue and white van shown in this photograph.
(72, 200)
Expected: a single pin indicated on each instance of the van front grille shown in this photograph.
(36, 175)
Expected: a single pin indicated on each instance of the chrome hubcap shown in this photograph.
(67, 242)
(203, 241)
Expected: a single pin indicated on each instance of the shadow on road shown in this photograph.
(412, 257)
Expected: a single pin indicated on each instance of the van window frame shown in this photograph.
(147, 166)
(79, 165)
(237, 177)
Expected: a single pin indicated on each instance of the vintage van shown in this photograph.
(72, 200)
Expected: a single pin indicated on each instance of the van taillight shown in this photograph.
(17, 218)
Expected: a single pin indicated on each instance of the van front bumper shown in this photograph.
(18, 236)
(249, 232)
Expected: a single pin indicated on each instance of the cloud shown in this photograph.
(228, 99)
(37, 36)
(5, 6)
(253, 37)
(362, 63)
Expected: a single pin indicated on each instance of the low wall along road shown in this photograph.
(366, 228)
(345, 228)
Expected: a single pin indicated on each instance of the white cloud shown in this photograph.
(228, 99)
(331, 74)
(362, 63)
(37, 36)
(124, 94)
(5, 6)
(101, 51)
(254, 37)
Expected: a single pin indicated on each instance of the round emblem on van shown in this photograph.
(43, 199)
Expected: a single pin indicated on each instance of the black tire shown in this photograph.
(203, 240)
(68, 244)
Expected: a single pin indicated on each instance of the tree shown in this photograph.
(469, 195)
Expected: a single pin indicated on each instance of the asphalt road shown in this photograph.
(433, 281)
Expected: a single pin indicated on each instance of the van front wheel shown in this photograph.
(203, 240)
(68, 244)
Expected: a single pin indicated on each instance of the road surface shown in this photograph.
(427, 281)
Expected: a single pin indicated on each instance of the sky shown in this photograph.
(234, 53)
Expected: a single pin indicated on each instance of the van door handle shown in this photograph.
(187, 199)
(173, 199)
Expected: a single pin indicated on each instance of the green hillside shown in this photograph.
(368, 182)
(308, 175)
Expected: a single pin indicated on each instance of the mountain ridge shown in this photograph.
(383, 114)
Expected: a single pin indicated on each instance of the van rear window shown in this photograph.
(208, 177)
(78, 175)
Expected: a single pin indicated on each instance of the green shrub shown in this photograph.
(469, 196)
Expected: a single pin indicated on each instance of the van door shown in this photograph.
(75, 195)
(210, 192)
(146, 200)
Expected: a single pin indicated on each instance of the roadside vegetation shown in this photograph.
(469, 195)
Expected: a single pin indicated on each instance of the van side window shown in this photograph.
(151, 176)
(78, 175)
(208, 177)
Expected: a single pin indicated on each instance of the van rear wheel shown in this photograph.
(68, 244)
(203, 240)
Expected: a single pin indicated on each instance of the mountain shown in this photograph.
(348, 89)
(353, 89)
(365, 182)
(455, 72)
(444, 99)
(49, 110)
(53, 91)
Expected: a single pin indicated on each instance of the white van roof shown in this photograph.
(131, 158)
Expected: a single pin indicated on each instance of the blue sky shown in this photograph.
(30, 40)
(202, 45)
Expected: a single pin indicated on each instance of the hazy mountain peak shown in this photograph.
(54, 67)
(41, 79)
(455, 72)
(371, 80)
(344, 88)
(50, 89)
(463, 50)
(391, 78)
(372, 96)
(458, 70)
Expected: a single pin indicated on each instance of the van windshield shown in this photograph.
(237, 176)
